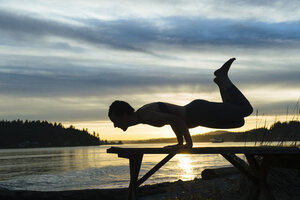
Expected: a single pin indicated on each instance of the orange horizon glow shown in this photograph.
(144, 132)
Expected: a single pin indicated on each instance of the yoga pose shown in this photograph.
(227, 114)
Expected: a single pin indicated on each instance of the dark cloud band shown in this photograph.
(143, 35)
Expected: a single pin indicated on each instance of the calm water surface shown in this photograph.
(69, 168)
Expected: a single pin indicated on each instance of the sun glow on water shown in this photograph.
(185, 163)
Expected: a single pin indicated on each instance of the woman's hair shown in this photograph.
(119, 108)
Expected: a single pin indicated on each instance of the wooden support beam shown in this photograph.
(240, 165)
(260, 169)
(155, 168)
(253, 163)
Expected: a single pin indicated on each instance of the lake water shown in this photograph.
(72, 168)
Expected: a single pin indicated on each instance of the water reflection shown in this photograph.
(69, 168)
(185, 163)
(20, 162)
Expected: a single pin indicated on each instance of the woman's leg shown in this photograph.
(229, 92)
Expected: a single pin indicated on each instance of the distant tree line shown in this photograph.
(20, 134)
(279, 131)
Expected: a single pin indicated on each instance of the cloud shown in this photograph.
(78, 81)
(71, 63)
(145, 35)
(288, 108)
(70, 80)
(287, 77)
(263, 11)
(29, 29)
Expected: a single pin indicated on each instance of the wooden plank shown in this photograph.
(207, 150)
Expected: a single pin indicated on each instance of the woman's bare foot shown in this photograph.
(223, 71)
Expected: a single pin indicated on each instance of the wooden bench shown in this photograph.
(256, 168)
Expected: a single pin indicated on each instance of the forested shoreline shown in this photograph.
(26, 134)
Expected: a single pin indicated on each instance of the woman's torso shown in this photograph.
(201, 112)
(166, 108)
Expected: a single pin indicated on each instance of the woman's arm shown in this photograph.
(177, 124)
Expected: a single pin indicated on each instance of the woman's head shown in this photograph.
(118, 112)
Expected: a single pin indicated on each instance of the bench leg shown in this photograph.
(135, 162)
(260, 186)
(255, 184)
(264, 170)
(254, 191)
(255, 172)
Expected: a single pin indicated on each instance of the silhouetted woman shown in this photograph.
(227, 114)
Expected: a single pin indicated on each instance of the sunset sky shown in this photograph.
(66, 61)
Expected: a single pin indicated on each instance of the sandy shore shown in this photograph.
(284, 184)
